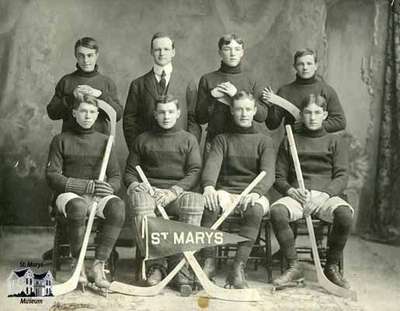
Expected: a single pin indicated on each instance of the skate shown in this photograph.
(292, 277)
(83, 280)
(333, 275)
(97, 278)
(236, 277)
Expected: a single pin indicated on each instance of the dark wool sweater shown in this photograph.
(216, 114)
(298, 91)
(167, 157)
(75, 157)
(323, 159)
(60, 106)
(236, 158)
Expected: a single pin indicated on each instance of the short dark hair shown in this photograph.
(243, 95)
(304, 52)
(88, 99)
(161, 35)
(168, 98)
(226, 39)
(87, 42)
(319, 100)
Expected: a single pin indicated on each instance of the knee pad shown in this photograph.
(343, 216)
(254, 212)
(142, 204)
(191, 206)
(279, 212)
(76, 208)
(115, 210)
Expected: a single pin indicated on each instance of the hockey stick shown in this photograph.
(211, 289)
(322, 279)
(72, 282)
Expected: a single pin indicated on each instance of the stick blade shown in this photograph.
(64, 288)
(132, 290)
(333, 288)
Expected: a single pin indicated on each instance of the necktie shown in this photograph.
(163, 81)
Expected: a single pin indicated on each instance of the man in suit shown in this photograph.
(161, 80)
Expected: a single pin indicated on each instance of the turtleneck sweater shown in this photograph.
(75, 158)
(236, 158)
(323, 159)
(216, 114)
(60, 106)
(297, 92)
(168, 158)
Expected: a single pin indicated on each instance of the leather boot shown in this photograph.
(98, 274)
(236, 277)
(333, 275)
(293, 274)
(210, 268)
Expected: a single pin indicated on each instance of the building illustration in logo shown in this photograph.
(25, 283)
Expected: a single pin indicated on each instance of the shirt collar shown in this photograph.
(158, 69)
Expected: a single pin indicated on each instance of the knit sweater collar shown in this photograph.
(311, 80)
(243, 130)
(80, 130)
(228, 69)
(82, 73)
(161, 131)
(316, 133)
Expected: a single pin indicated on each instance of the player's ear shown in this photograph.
(325, 114)
(178, 112)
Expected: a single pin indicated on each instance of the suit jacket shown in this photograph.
(138, 113)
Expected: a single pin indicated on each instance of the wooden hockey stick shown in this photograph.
(322, 279)
(211, 289)
(72, 282)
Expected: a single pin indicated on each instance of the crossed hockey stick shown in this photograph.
(322, 279)
(211, 289)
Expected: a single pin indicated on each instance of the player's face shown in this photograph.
(306, 66)
(243, 111)
(86, 58)
(85, 115)
(231, 53)
(313, 116)
(166, 115)
(162, 51)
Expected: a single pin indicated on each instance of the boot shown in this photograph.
(83, 280)
(236, 277)
(98, 274)
(155, 274)
(184, 281)
(333, 275)
(210, 268)
(293, 274)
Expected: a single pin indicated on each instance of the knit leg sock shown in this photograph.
(342, 220)
(283, 232)
(76, 210)
(114, 213)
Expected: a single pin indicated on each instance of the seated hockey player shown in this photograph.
(72, 171)
(324, 163)
(170, 158)
(235, 159)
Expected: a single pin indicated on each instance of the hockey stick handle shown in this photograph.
(245, 192)
(106, 158)
(146, 181)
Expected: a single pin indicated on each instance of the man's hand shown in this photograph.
(266, 95)
(164, 196)
(141, 187)
(102, 188)
(224, 88)
(299, 195)
(248, 201)
(315, 203)
(82, 90)
(211, 198)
